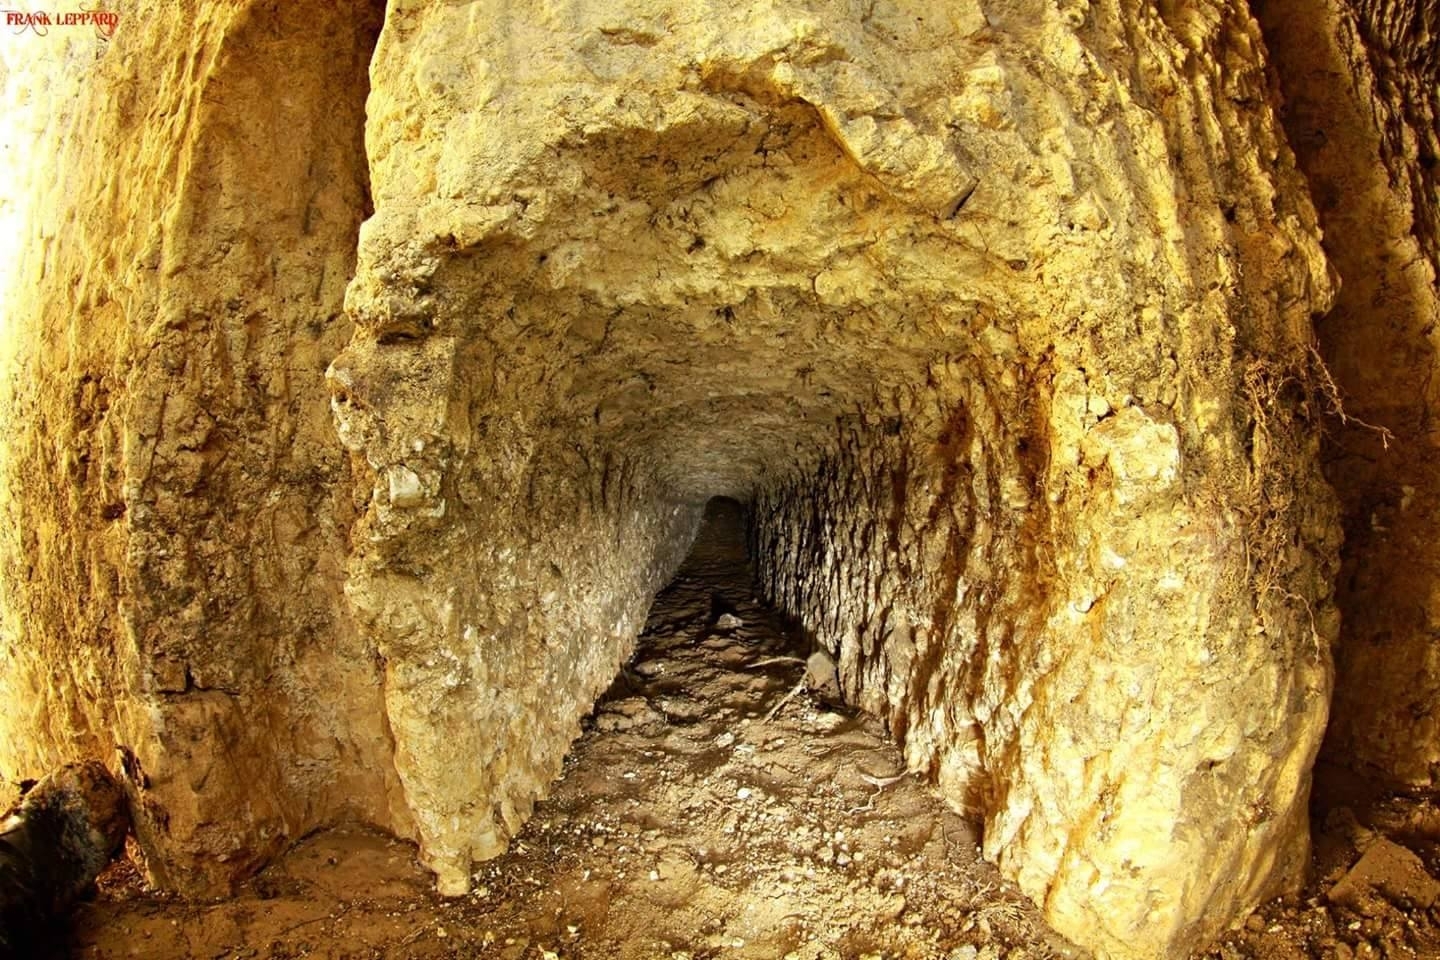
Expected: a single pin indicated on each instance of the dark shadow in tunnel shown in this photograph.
(711, 604)
(1377, 341)
(720, 607)
(723, 541)
(724, 533)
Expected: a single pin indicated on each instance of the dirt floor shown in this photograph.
(714, 808)
(717, 807)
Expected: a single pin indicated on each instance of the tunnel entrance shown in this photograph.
(1070, 538)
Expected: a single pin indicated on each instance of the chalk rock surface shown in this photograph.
(354, 418)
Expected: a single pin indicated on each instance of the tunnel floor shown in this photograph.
(711, 809)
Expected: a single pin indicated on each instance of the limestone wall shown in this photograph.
(176, 510)
(1082, 576)
(1107, 691)
(501, 583)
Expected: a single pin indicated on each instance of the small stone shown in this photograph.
(405, 487)
(822, 675)
(728, 621)
(1390, 871)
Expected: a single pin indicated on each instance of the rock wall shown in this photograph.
(1109, 691)
(1001, 315)
(501, 583)
(1080, 573)
(175, 507)
(1362, 99)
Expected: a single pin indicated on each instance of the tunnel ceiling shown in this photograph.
(703, 247)
(718, 340)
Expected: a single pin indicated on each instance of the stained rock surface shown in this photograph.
(176, 510)
(1361, 85)
(353, 427)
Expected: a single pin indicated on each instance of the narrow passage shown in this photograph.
(701, 815)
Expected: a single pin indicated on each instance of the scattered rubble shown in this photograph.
(1372, 893)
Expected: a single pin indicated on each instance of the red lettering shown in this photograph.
(105, 22)
(22, 21)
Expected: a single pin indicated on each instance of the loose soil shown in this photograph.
(715, 807)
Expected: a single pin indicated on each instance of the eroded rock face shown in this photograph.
(1050, 282)
(501, 586)
(999, 315)
(176, 510)
(1362, 98)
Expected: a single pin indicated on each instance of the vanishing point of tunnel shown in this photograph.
(367, 369)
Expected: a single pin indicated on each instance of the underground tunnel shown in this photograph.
(367, 370)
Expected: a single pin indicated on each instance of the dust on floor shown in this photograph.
(711, 810)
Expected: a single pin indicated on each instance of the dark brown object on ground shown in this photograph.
(1386, 870)
(53, 844)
